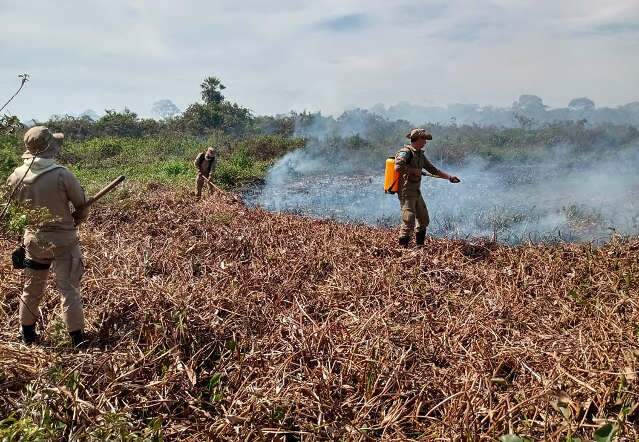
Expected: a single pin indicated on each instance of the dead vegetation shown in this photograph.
(214, 321)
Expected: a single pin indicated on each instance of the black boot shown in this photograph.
(403, 241)
(29, 335)
(78, 339)
(420, 237)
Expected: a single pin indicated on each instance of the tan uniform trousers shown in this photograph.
(199, 183)
(63, 250)
(414, 215)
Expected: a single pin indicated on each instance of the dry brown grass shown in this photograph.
(233, 323)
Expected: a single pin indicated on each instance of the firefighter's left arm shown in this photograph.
(430, 168)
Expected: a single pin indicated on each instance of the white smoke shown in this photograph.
(558, 195)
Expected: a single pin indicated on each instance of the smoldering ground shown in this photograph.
(556, 193)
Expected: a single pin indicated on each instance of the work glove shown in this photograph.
(80, 215)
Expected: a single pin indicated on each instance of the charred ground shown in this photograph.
(218, 321)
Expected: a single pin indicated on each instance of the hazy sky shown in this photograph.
(275, 56)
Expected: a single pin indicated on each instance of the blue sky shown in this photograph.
(325, 55)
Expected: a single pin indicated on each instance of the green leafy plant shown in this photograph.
(25, 429)
(175, 168)
(605, 433)
(215, 387)
(19, 217)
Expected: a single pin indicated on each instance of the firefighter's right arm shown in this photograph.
(74, 190)
(75, 194)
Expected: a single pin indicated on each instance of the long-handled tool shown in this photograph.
(112, 185)
(226, 194)
(95, 198)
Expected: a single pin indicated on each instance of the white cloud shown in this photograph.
(324, 55)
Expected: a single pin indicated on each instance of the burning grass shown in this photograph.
(216, 321)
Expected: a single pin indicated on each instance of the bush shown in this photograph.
(241, 160)
(79, 128)
(269, 147)
(9, 155)
(175, 168)
(239, 169)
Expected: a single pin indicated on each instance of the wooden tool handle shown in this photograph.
(104, 191)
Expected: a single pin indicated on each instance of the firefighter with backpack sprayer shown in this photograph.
(409, 163)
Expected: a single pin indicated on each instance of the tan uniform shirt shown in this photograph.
(204, 166)
(409, 157)
(52, 187)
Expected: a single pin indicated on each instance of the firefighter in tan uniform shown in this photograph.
(409, 162)
(205, 163)
(42, 184)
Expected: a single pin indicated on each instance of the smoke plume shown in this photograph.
(558, 194)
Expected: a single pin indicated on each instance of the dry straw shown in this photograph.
(216, 321)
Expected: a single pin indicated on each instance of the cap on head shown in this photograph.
(40, 141)
(419, 133)
(210, 152)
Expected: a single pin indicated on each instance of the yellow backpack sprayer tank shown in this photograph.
(391, 177)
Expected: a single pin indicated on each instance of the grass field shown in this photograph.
(163, 160)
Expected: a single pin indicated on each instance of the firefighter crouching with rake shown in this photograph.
(205, 163)
(409, 163)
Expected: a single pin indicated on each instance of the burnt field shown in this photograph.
(218, 321)
(560, 196)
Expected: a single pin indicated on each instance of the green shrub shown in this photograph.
(175, 168)
(268, 147)
(9, 155)
(18, 217)
(239, 169)
(241, 160)
(25, 429)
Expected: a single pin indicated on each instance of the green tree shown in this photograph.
(119, 124)
(229, 117)
(215, 113)
(211, 90)
(78, 128)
